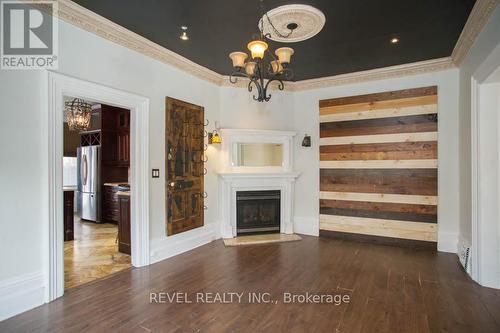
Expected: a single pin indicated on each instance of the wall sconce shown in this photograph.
(214, 137)
(306, 141)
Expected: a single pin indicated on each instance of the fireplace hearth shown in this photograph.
(258, 211)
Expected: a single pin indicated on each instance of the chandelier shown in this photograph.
(263, 67)
(77, 114)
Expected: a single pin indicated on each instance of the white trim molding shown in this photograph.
(420, 67)
(21, 294)
(168, 247)
(60, 85)
(232, 136)
(85, 19)
(485, 185)
(478, 17)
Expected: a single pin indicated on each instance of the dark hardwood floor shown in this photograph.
(391, 289)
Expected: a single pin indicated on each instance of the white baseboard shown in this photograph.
(21, 294)
(447, 242)
(306, 226)
(177, 244)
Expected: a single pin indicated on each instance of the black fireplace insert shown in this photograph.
(258, 211)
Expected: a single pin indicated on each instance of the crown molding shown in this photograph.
(85, 19)
(414, 68)
(478, 17)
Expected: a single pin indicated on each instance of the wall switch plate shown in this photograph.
(156, 173)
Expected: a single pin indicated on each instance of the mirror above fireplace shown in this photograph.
(258, 154)
(256, 151)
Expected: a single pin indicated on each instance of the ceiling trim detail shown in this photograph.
(478, 17)
(414, 68)
(85, 19)
(81, 17)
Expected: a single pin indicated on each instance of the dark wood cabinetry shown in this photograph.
(115, 129)
(110, 205)
(111, 130)
(124, 232)
(68, 215)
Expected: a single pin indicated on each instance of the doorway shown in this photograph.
(59, 86)
(96, 190)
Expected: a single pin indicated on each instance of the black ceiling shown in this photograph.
(355, 37)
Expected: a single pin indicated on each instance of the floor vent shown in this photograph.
(464, 255)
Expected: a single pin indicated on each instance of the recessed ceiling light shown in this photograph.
(394, 40)
(184, 35)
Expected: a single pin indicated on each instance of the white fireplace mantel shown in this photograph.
(232, 180)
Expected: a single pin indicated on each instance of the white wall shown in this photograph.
(307, 159)
(239, 110)
(488, 39)
(22, 174)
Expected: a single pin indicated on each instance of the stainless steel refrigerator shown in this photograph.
(88, 169)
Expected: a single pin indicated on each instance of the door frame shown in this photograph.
(485, 263)
(60, 85)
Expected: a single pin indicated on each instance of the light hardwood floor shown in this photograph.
(93, 254)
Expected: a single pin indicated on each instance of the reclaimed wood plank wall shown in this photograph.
(378, 165)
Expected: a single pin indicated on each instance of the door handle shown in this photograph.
(84, 171)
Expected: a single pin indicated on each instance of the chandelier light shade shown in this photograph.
(250, 67)
(238, 59)
(77, 113)
(276, 66)
(257, 48)
(284, 54)
(263, 66)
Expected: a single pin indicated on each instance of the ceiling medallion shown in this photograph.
(307, 20)
(264, 67)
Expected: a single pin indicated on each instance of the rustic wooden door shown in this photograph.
(184, 164)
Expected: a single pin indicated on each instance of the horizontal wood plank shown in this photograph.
(397, 103)
(381, 113)
(380, 206)
(379, 138)
(382, 96)
(380, 227)
(378, 214)
(379, 164)
(380, 197)
(403, 181)
(381, 147)
(390, 155)
(407, 124)
(380, 240)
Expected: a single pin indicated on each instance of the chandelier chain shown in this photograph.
(264, 14)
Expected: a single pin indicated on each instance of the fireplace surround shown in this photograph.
(234, 178)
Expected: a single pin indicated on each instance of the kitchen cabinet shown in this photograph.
(124, 232)
(114, 135)
(69, 220)
(110, 204)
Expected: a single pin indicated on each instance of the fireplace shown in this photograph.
(258, 211)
